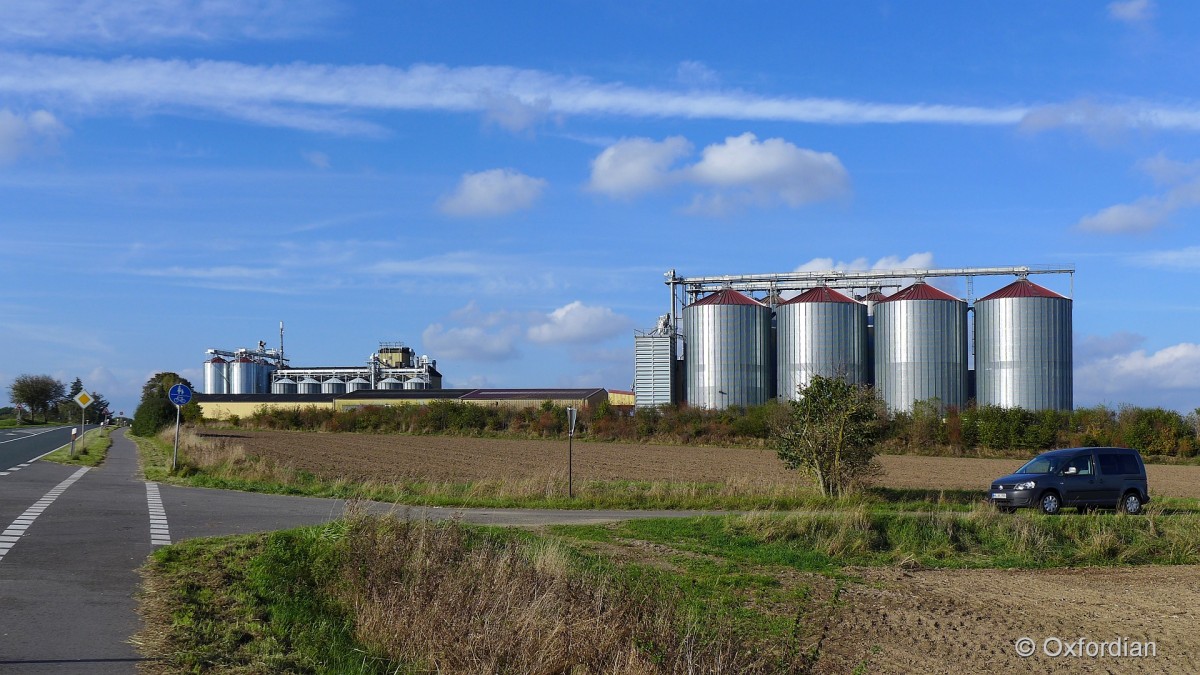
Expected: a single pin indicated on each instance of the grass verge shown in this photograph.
(90, 449)
(373, 595)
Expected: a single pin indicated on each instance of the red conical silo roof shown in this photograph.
(726, 296)
(1022, 288)
(921, 291)
(819, 294)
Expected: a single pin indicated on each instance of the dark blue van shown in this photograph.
(1084, 478)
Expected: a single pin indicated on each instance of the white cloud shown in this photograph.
(695, 74)
(121, 21)
(738, 172)
(1166, 377)
(1132, 11)
(317, 159)
(1187, 258)
(470, 343)
(770, 170)
(635, 165)
(1140, 216)
(1095, 347)
(916, 261)
(492, 193)
(511, 113)
(1148, 213)
(324, 97)
(578, 323)
(23, 135)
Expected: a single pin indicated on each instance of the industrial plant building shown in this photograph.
(266, 371)
(241, 382)
(730, 348)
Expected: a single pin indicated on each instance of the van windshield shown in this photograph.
(1041, 464)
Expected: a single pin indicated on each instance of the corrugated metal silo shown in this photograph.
(727, 350)
(1023, 351)
(284, 385)
(416, 383)
(216, 376)
(308, 385)
(333, 385)
(820, 332)
(242, 375)
(357, 384)
(873, 298)
(266, 369)
(921, 348)
(390, 383)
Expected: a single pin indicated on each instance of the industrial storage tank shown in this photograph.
(308, 385)
(416, 383)
(390, 383)
(820, 332)
(921, 348)
(357, 384)
(284, 385)
(1023, 352)
(216, 376)
(333, 385)
(729, 360)
(266, 370)
(243, 375)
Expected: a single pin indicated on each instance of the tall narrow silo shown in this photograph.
(216, 376)
(873, 298)
(242, 375)
(728, 351)
(1023, 352)
(921, 348)
(820, 332)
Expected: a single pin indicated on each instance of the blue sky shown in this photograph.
(502, 185)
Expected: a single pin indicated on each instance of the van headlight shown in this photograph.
(1027, 485)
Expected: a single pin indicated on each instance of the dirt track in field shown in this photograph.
(968, 621)
(448, 458)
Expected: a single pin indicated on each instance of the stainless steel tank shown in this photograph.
(216, 376)
(242, 374)
(284, 385)
(308, 385)
(1023, 348)
(820, 332)
(921, 348)
(333, 385)
(727, 350)
(390, 383)
(357, 384)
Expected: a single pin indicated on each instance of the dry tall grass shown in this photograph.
(446, 599)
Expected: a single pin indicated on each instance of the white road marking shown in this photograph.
(160, 532)
(10, 535)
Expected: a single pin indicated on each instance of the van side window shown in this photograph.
(1129, 464)
(1083, 463)
(1110, 464)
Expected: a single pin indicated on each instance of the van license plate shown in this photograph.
(999, 495)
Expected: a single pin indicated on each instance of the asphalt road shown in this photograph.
(73, 539)
(18, 446)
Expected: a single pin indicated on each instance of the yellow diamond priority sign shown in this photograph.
(84, 399)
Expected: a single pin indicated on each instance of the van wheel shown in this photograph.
(1050, 504)
(1131, 503)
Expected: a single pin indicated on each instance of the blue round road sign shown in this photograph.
(180, 394)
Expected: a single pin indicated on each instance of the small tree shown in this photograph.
(155, 411)
(36, 392)
(829, 434)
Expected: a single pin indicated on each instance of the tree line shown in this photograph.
(979, 430)
(32, 395)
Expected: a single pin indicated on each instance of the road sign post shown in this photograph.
(84, 399)
(180, 395)
(572, 413)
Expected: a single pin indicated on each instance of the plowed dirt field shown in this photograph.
(447, 458)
